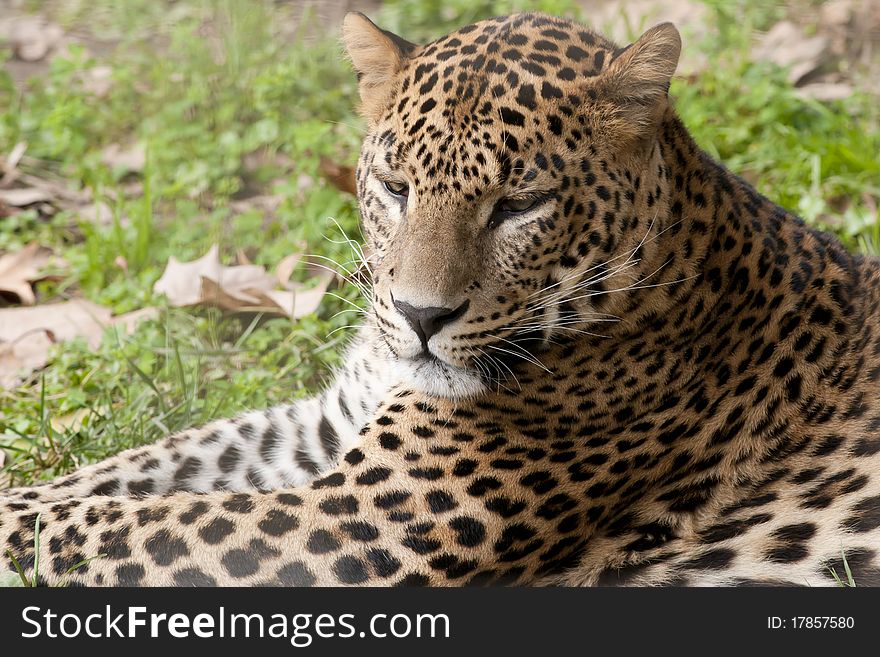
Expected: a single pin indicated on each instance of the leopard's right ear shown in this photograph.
(378, 56)
(637, 81)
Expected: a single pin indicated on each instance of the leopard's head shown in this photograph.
(508, 184)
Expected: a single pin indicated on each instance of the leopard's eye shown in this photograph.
(512, 207)
(516, 205)
(396, 188)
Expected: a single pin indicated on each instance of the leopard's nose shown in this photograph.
(428, 320)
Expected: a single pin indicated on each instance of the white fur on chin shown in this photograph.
(437, 379)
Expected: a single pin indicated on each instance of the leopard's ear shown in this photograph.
(378, 56)
(637, 80)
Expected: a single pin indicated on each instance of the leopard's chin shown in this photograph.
(437, 378)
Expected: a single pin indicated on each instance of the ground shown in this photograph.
(167, 127)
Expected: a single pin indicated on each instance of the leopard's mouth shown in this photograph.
(437, 377)
(452, 364)
(431, 363)
(494, 359)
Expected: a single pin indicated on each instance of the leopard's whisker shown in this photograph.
(644, 240)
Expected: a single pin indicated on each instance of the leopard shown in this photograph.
(593, 356)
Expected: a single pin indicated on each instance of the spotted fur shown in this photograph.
(594, 356)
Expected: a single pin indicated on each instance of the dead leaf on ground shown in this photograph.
(11, 161)
(131, 319)
(57, 189)
(240, 288)
(21, 197)
(19, 270)
(181, 281)
(130, 158)
(853, 27)
(33, 191)
(825, 91)
(9, 164)
(284, 270)
(27, 334)
(341, 176)
(788, 46)
(31, 37)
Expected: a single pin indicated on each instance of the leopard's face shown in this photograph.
(502, 194)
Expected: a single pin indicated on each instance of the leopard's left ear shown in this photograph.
(378, 56)
(637, 81)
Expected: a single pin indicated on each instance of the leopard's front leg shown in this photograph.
(420, 501)
(283, 446)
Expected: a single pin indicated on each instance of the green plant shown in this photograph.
(230, 108)
(849, 582)
(33, 581)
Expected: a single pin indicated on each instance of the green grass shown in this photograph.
(25, 581)
(19, 577)
(226, 106)
(198, 117)
(848, 581)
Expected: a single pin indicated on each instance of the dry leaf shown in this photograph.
(19, 270)
(181, 282)
(57, 190)
(131, 319)
(132, 158)
(341, 176)
(248, 299)
(9, 164)
(27, 334)
(239, 288)
(31, 37)
(284, 270)
(15, 155)
(836, 12)
(787, 45)
(302, 301)
(825, 91)
(242, 257)
(21, 197)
